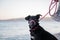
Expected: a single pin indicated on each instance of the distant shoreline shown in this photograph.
(22, 19)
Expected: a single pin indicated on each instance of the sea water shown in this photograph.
(19, 29)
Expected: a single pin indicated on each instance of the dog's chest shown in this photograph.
(32, 37)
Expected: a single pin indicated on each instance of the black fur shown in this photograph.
(39, 33)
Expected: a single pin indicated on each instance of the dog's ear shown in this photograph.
(27, 18)
(38, 16)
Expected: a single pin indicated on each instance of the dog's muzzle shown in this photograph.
(32, 23)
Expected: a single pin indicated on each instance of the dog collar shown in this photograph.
(34, 29)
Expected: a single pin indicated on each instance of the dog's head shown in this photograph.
(33, 20)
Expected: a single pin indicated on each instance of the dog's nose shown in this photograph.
(32, 22)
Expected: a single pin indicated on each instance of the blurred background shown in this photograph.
(12, 23)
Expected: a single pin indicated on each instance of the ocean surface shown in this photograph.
(19, 29)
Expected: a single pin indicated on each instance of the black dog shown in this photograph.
(36, 31)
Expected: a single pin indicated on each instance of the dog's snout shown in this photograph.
(31, 22)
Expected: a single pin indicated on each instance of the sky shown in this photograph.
(10, 9)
